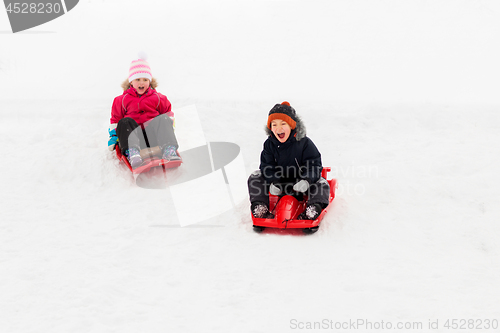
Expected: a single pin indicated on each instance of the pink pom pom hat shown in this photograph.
(139, 69)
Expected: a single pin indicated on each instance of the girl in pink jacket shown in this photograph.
(142, 117)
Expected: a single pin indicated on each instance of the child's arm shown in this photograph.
(117, 113)
(165, 106)
(113, 138)
(311, 162)
(268, 165)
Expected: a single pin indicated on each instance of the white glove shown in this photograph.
(301, 186)
(274, 190)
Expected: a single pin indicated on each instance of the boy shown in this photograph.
(290, 164)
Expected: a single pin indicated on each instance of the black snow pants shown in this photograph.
(258, 189)
(158, 132)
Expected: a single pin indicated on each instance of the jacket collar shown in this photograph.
(131, 91)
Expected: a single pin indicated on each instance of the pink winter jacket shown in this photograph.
(141, 108)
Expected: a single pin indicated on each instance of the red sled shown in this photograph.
(287, 208)
(151, 161)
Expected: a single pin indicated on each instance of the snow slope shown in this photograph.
(400, 97)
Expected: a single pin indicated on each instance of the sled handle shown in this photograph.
(325, 171)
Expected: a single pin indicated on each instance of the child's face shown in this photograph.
(280, 129)
(140, 85)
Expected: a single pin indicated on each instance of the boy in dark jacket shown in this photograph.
(290, 164)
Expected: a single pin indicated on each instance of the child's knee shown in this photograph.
(127, 120)
(254, 176)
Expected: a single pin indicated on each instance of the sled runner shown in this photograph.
(287, 208)
(151, 158)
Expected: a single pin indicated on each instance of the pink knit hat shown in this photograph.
(140, 69)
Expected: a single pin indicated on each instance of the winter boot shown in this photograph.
(134, 157)
(311, 212)
(261, 211)
(170, 154)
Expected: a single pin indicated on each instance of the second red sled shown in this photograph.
(151, 160)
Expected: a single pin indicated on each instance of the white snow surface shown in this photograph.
(401, 98)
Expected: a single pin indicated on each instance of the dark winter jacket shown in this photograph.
(295, 159)
(141, 108)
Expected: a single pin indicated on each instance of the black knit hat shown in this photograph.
(285, 112)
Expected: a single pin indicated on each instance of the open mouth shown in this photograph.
(281, 135)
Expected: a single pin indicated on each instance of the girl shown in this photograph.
(290, 164)
(142, 117)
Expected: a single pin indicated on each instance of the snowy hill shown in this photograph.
(401, 98)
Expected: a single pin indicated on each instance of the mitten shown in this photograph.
(113, 138)
(172, 117)
(301, 186)
(274, 190)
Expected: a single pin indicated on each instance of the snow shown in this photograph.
(401, 98)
